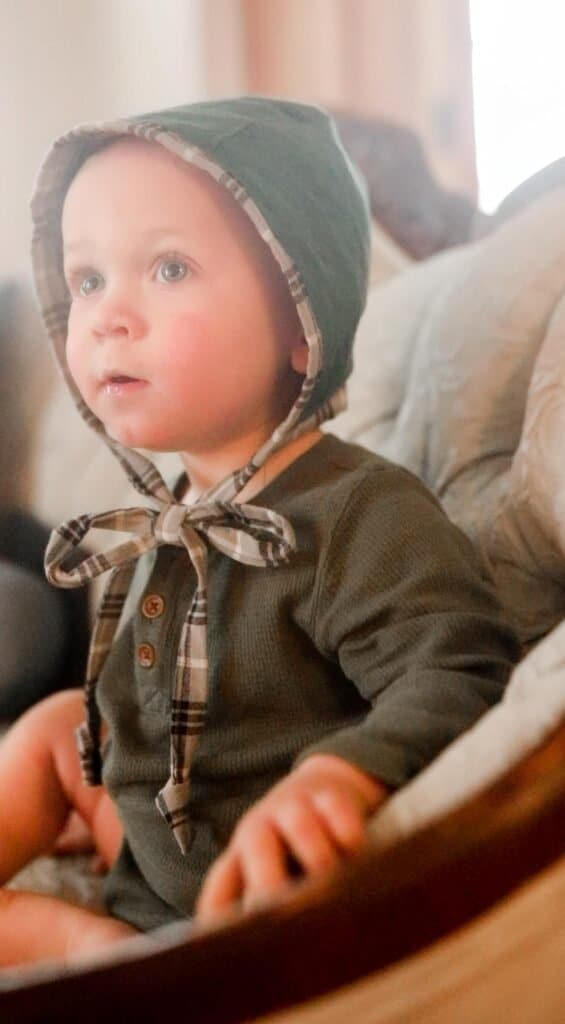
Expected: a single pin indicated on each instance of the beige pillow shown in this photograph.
(387, 337)
(444, 360)
(387, 257)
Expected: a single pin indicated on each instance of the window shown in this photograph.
(519, 91)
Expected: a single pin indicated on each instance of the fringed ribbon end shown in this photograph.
(171, 802)
(90, 757)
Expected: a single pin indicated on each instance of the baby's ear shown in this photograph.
(299, 357)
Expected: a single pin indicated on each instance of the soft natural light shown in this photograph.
(519, 91)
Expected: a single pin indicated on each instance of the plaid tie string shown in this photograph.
(247, 533)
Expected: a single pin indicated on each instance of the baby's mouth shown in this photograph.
(120, 383)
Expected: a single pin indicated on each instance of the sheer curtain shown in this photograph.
(406, 60)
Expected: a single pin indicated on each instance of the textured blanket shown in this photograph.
(460, 376)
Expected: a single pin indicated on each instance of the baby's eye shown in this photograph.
(170, 271)
(90, 283)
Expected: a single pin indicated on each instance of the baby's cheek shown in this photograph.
(188, 337)
(77, 361)
(205, 354)
(195, 355)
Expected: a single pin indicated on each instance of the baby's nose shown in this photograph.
(118, 319)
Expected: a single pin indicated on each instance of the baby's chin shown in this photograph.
(141, 440)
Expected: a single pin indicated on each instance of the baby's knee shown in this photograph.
(7, 897)
(45, 732)
(55, 714)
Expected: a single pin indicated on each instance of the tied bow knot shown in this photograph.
(168, 524)
(249, 534)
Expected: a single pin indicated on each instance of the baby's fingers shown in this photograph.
(306, 835)
(75, 837)
(253, 866)
(263, 856)
(344, 819)
(223, 885)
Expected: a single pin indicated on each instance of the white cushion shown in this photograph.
(444, 366)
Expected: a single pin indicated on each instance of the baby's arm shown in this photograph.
(315, 817)
(403, 606)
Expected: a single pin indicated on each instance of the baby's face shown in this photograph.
(181, 335)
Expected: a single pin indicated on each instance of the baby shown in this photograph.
(294, 628)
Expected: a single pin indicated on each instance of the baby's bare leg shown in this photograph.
(36, 927)
(40, 783)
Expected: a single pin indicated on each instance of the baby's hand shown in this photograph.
(76, 837)
(313, 818)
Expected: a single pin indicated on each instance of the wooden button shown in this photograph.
(146, 655)
(153, 606)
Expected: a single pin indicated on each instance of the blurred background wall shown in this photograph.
(406, 60)
(481, 82)
(65, 61)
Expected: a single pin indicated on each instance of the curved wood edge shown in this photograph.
(382, 907)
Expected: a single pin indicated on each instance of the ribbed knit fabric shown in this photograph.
(380, 641)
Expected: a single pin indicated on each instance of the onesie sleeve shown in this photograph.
(404, 604)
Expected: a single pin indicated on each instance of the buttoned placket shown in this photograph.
(171, 573)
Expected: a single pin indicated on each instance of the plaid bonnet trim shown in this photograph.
(250, 534)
